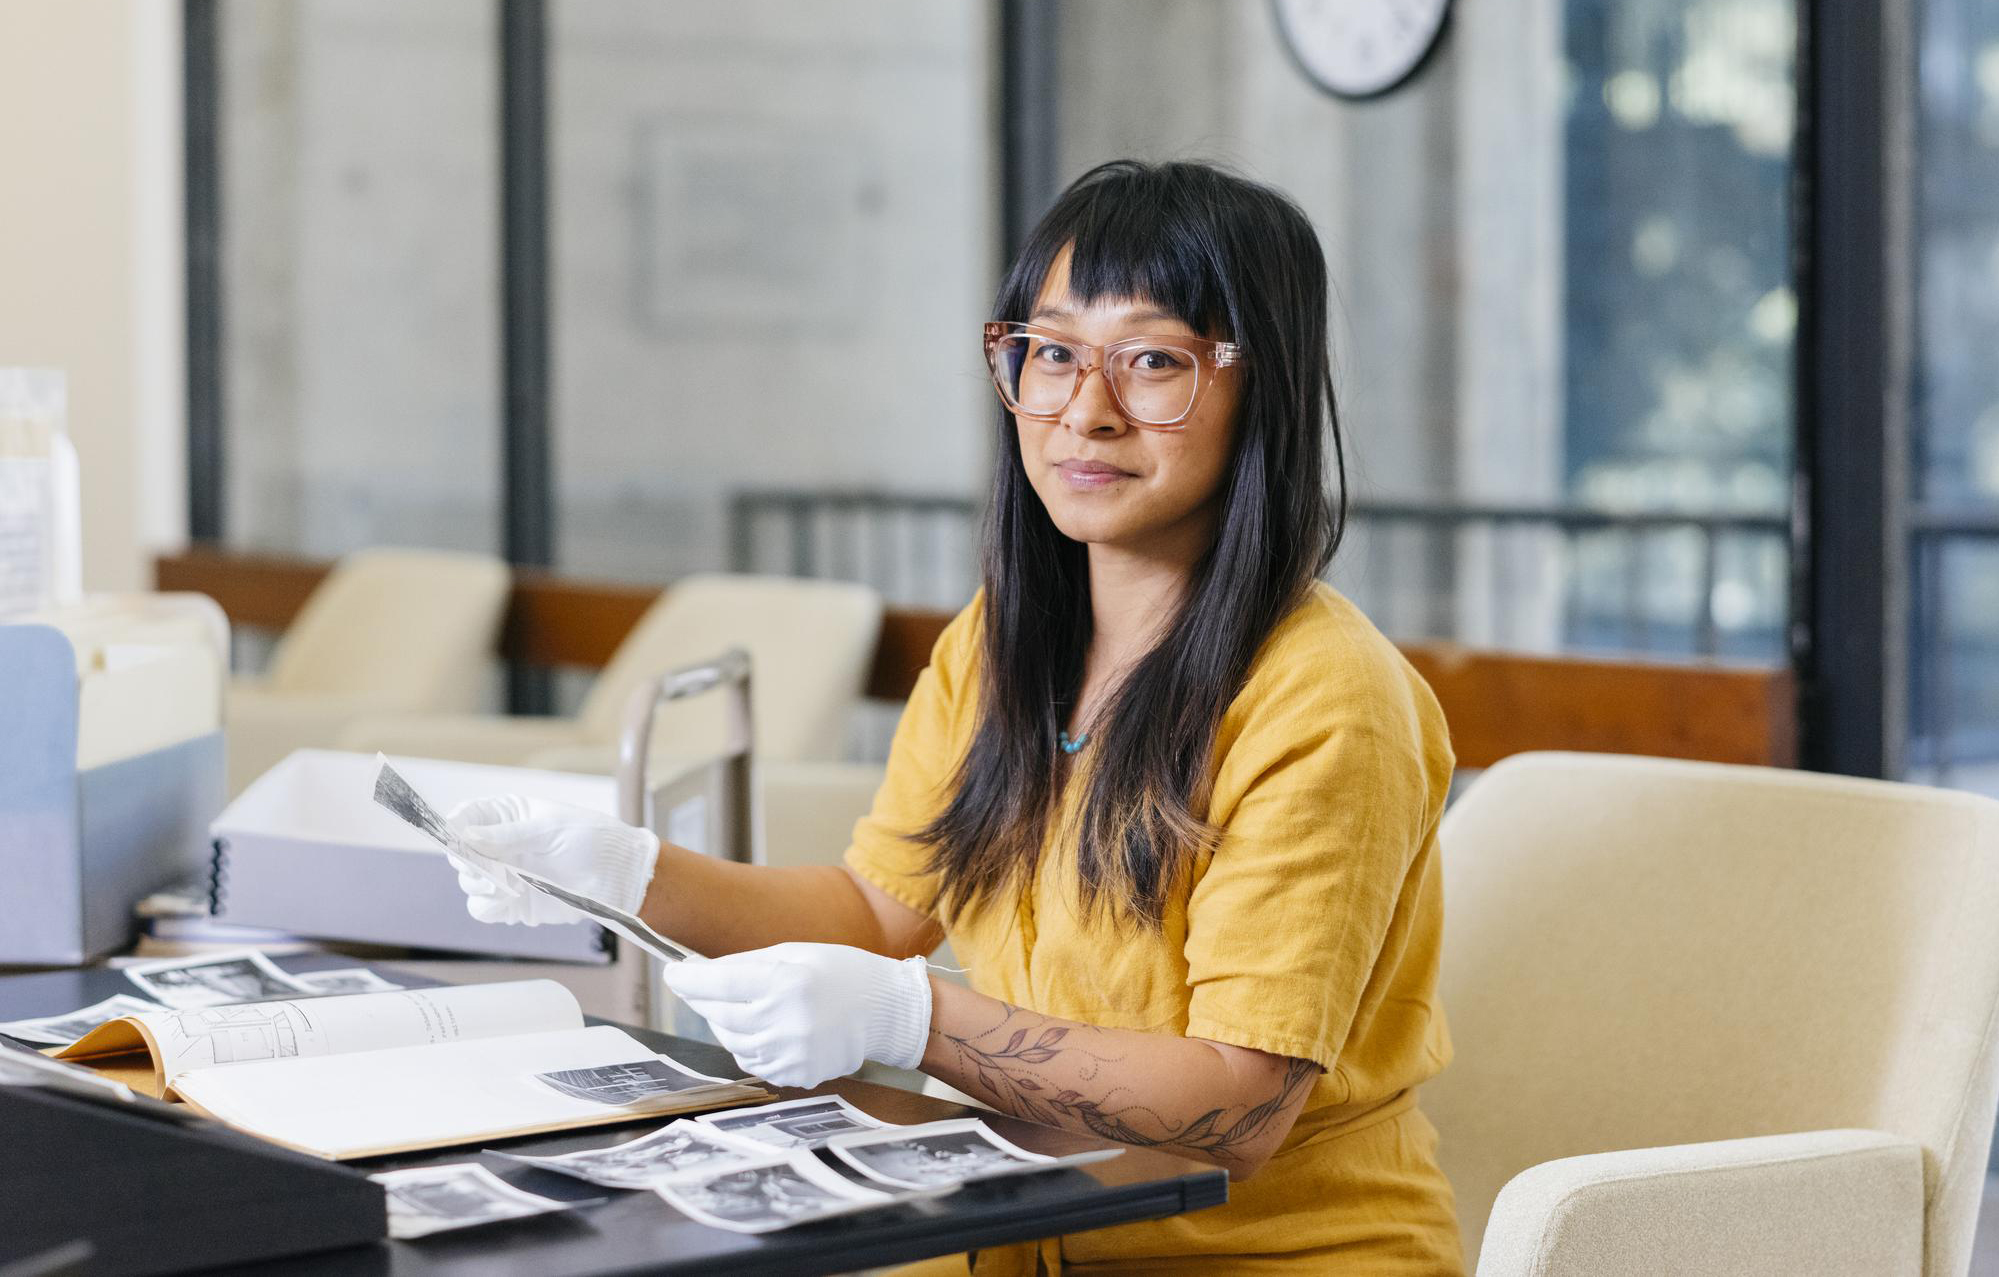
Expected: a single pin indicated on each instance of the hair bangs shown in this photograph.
(1135, 237)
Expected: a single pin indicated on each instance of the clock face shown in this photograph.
(1361, 48)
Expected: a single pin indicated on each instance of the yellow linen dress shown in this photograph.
(1311, 930)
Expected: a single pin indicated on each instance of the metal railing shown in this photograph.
(1623, 601)
(1953, 638)
(1651, 582)
(918, 549)
(903, 545)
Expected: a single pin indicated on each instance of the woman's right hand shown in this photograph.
(589, 852)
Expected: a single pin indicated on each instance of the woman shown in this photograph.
(1172, 800)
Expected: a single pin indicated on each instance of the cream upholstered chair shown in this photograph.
(808, 809)
(1717, 1020)
(387, 630)
(811, 645)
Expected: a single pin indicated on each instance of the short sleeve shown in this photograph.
(930, 739)
(1328, 800)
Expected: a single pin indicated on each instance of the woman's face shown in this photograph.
(1106, 481)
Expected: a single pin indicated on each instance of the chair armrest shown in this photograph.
(1829, 1203)
(464, 738)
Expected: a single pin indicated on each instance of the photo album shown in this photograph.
(365, 1074)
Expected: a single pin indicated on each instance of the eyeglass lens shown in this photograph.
(1153, 384)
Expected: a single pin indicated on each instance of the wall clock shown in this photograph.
(1361, 48)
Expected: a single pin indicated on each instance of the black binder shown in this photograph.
(151, 1195)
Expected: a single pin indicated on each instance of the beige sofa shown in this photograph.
(1717, 1020)
(811, 645)
(387, 631)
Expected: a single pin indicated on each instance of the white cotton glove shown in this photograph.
(798, 1014)
(587, 851)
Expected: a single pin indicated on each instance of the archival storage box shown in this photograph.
(111, 767)
(305, 850)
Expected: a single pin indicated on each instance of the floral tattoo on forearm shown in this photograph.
(1012, 1073)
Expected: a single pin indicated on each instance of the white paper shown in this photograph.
(435, 1199)
(806, 1123)
(414, 1097)
(942, 1153)
(61, 1030)
(40, 520)
(676, 1149)
(214, 979)
(778, 1192)
(228, 1036)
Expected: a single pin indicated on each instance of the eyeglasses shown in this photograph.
(1156, 382)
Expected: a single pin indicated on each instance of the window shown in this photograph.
(1563, 326)
(359, 265)
(1954, 532)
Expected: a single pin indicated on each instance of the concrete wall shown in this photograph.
(771, 245)
(91, 255)
(1439, 207)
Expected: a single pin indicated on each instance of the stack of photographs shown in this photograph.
(758, 1169)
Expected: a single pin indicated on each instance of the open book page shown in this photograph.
(375, 1102)
(250, 1032)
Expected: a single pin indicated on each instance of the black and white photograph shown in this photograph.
(775, 1194)
(674, 1150)
(794, 1123)
(214, 980)
(346, 980)
(435, 1199)
(945, 1153)
(61, 1030)
(630, 1083)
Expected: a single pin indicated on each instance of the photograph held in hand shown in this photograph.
(397, 795)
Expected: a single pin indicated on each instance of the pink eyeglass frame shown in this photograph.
(1218, 355)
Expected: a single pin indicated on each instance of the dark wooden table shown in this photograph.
(637, 1232)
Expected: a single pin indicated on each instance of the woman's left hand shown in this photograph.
(798, 1014)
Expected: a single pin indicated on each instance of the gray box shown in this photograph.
(79, 848)
(305, 850)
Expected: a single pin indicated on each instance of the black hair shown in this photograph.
(1237, 261)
